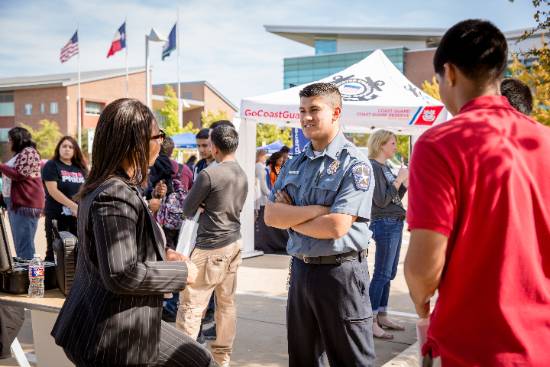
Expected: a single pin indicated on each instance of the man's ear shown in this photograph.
(336, 113)
(450, 74)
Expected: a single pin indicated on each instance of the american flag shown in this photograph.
(70, 49)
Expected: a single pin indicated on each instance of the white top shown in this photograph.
(262, 192)
(6, 181)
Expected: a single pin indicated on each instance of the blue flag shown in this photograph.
(170, 45)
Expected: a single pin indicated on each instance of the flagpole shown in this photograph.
(78, 105)
(126, 57)
(178, 46)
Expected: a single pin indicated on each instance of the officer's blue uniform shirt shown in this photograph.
(340, 177)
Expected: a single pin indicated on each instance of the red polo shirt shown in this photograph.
(483, 180)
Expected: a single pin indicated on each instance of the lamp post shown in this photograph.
(153, 36)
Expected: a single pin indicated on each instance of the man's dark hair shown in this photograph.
(225, 138)
(285, 150)
(328, 90)
(215, 124)
(20, 139)
(203, 133)
(518, 94)
(167, 146)
(474, 46)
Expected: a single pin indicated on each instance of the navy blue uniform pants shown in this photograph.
(329, 311)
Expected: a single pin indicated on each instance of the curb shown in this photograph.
(407, 358)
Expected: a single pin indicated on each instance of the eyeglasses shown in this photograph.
(160, 136)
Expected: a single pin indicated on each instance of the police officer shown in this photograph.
(323, 198)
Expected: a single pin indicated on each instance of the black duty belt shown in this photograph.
(333, 259)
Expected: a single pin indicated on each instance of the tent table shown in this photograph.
(43, 315)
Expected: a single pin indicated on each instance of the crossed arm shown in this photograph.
(312, 220)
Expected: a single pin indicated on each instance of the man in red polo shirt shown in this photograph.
(479, 214)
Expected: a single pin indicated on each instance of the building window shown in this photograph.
(42, 107)
(7, 107)
(54, 108)
(325, 46)
(187, 95)
(93, 108)
(4, 135)
(28, 109)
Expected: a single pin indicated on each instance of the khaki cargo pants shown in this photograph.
(217, 271)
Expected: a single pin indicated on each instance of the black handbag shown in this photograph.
(65, 254)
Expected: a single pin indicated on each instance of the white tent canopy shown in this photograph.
(375, 93)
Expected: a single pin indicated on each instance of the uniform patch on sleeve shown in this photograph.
(361, 176)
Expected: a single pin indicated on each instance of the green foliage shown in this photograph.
(431, 88)
(267, 134)
(46, 137)
(209, 117)
(169, 113)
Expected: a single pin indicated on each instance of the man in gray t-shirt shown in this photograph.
(220, 190)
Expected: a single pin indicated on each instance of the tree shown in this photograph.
(169, 113)
(209, 117)
(46, 137)
(432, 88)
(268, 133)
(537, 77)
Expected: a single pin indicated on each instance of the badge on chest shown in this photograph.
(333, 167)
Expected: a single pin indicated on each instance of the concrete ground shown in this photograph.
(261, 302)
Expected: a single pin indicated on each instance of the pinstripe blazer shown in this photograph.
(112, 315)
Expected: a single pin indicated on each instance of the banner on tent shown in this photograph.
(299, 141)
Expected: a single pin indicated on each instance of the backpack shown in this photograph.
(170, 214)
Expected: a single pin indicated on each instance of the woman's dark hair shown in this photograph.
(274, 158)
(78, 159)
(122, 134)
(20, 139)
(192, 160)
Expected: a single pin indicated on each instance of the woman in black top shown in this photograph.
(62, 175)
(386, 225)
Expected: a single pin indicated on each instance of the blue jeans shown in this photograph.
(388, 233)
(23, 229)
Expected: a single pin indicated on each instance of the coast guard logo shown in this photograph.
(361, 176)
(428, 115)
(357, 89)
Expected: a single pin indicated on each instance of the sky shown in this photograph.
(223, 42)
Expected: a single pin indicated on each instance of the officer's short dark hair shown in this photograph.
(476, 47)
(328, 90)
(518, 94)
(225, 138)
(203, 133)
(221, 122)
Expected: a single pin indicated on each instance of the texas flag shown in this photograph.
(119, 41)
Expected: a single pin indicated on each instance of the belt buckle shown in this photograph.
(305, 259)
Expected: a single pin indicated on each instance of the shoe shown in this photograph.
(168, 316)
(387, 323)
(380, 333)
(210, 333)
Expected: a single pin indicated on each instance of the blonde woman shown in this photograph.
(386, 225)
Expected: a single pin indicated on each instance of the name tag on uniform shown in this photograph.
(293, 172)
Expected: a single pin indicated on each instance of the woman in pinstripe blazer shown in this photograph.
(112, 315)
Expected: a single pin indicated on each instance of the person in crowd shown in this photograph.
(323, 196)
(285, 152)
(205, 152)
(518, 95)
(276, 161)
(386, 225)
(26, 192)
(162, 170)
(62, 175)
(112, 316)
(191, 162)
(478, 214)
(220, 190)
(261, 191)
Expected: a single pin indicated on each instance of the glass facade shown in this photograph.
(300, 70)
(325, 46)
